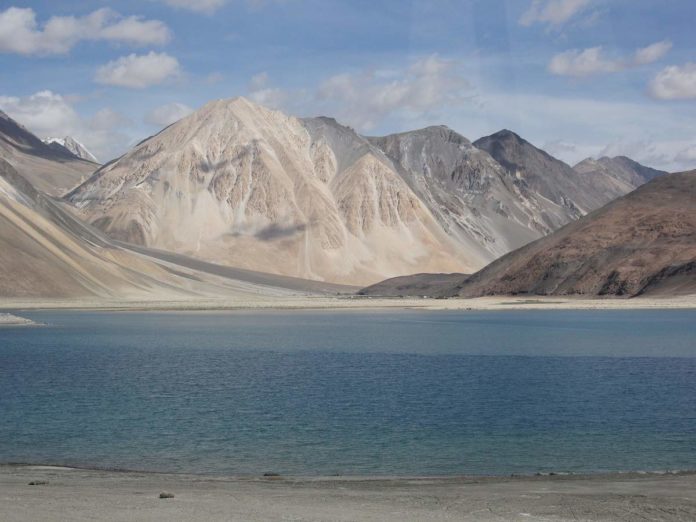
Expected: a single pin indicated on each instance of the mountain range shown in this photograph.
(238, 184)
(237, 199)
(643, 243)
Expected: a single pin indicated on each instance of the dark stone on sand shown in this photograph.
(38, 482)
(164, 494)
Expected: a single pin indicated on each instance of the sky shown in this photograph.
(578, 78)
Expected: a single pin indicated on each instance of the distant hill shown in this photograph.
(416, 285)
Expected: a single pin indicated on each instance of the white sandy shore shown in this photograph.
(79, 495)
(13, 320)
(355, 303)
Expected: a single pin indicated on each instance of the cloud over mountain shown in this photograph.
(167, 114)
(368, 96)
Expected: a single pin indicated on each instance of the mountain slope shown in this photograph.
(240, 185)
(71, 145)
(415, 285)
(50, 171)
(470, 193)
(644, 242)
(45, 252)
(532, 169)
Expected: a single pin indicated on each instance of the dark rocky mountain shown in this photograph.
(534, 170)
(469, 193)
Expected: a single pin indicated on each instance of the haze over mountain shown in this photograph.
(49, 170)
(619, 167)
(240, 185)
(642, 243)
(71, 145)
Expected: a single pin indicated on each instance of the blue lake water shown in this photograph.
(379, 393)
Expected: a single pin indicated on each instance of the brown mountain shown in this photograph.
(642, 243)
(416, 285)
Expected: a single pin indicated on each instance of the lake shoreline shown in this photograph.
(79, 494)
(355, 303)
(272, 476)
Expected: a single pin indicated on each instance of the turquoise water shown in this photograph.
(382, 393)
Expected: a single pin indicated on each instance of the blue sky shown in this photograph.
(578, 77)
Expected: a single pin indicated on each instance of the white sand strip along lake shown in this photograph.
(77, 495)
(355, 303)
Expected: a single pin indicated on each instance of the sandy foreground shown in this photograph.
(70, 494)
(309, 302)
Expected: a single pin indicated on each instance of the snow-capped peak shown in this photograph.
(73, 146)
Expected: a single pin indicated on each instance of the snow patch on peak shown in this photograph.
(73, 146)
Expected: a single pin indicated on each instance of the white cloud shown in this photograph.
(365, 98)
(582, 63)
(46, 114)
(107, 119)
(20, 33)
(138, 71)
(652, 53)
(553, 13)
(262, 93)
(167, 114)
(593, 61)
(675, 82)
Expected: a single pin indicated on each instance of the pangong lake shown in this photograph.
(405, 393)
